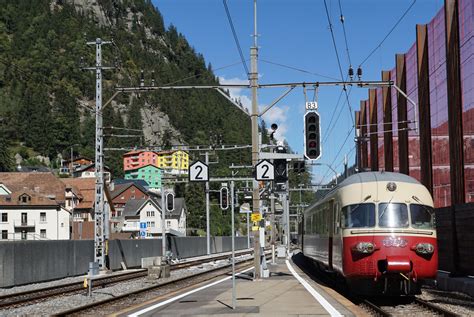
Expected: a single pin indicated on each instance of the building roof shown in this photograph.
(29, 169)
(121, 181)
(143, 166)
(84, 188)
(86, 167)
(133, 207)
(44, 189)
(119, 189)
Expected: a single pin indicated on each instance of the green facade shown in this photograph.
(150, 174)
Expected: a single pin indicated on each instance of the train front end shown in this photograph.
(389, 240)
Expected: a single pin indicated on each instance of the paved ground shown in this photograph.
(280, 295)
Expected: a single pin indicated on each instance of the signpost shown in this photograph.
(198, 172)
(264, 171)
(142, 230)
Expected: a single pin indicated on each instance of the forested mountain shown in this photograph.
(44, 94)
(46, 98)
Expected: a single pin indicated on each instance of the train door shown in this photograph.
(330, 226)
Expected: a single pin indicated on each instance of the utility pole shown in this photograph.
(255, 149)
(100, 214)
(163, 220)
(208, 226)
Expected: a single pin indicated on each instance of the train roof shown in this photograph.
(367, 177)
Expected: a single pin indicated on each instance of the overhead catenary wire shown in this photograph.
(338, 60)
(297, 69)
(342, 19)
(229, 18)
(388, 34)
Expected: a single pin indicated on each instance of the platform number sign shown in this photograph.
(264, 171)
(198, 172)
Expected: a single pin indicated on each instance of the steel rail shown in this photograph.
(106, 301)
(25, 297)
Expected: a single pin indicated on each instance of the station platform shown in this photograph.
(287, 292)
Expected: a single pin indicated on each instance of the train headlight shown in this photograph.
(424, 248)
(364, 247)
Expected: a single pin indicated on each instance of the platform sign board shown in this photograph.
(256, 217)
(264, 171)
(198, 172)
(142, 230)
(245, 208)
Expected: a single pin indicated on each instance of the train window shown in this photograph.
(358, 216)
(422, 217)
(393, 215)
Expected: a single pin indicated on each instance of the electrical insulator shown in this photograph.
(153, 78)
(351, 73)
(359, 72)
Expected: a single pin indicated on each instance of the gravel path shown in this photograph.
(456, 302)
(58, 304)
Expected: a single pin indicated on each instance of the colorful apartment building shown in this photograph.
(149, 173)
(173, 162)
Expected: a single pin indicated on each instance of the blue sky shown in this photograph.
(296, 33)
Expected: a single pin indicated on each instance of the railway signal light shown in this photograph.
(312, 135)
(298, 167)
(170, 202)
(281, 170)
(224, 198)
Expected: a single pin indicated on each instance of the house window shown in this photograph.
(43, 217)
(4, 217)
(4, 234)
(132, 197)
(152, 224)
(23, 235)
(168, 223)
(24, 218)
(43, 233)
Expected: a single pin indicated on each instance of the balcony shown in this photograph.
(24, 224)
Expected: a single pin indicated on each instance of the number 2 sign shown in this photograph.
(198, 172)
(264, 171)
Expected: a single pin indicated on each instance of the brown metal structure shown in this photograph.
(453, 72)
(388, 126)
(424, 116)
(402, 114)
(363, 121)
(374, 159)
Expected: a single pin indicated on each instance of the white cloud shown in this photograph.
(279, 116)
(238, 93)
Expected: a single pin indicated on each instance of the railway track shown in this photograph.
(117, 303)
(33, 296)
(416, 307)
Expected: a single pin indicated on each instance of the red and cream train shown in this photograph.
(377, 230)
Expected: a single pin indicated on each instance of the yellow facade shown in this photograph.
(176, 160)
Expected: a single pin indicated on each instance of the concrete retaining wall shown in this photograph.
(24, 262)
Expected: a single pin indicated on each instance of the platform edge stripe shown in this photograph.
(173, 299)
(326, 305)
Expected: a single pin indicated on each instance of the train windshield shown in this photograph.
(422, 217)
(358, 216)
(393, 215)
